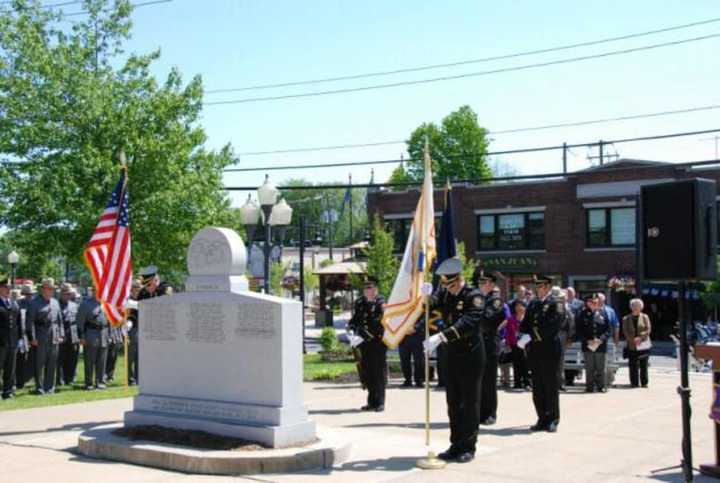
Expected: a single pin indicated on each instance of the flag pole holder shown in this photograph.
(431, 461)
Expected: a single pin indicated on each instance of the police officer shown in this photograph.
(93, 329)
(412, 357)
(540, 327)
(45, 324)
(462, 308)
(133, 333)
(493, 316)
(367, 328)
(9, 335)
(25, 361)
(68, 352)
(593, 331)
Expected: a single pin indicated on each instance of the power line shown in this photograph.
(492, 153)
(506, 131)
(463, 62)
(463, 76)
(134, 5)
(48, 5)
(690, 165)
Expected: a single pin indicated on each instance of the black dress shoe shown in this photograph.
(466, 457)
(419, 384)
(552, 427)
(539, 426)
(589, 389)
(449, 455)
(379, 409)
(489, 421)
(603, 389)
(406, 384)
(367, 407)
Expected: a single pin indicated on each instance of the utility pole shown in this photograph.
(715, 138)
(600, 147)
(564, 158)
(351, 206)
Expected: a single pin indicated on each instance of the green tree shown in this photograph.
(382, 263)
(469, 264)
(458, 148)
(400, 175)
(277, 274)
(70, 100)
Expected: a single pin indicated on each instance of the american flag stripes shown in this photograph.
(107, 254)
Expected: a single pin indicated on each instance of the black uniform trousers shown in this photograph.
(521, 378)
(67, 362)
(7, 365)
(638, 365)
(488, 396)
(463, 387)
(374, 362)
(543, 362)
(111, 360)
(134, 356)
(412, 358)
(24, 367)
(95, 358)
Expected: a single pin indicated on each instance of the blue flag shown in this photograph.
(446, 248)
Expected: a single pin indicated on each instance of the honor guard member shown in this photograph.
(70, 347)
(462, 308)
(45, 324)
(545, 314)
(94, 332)
(25, 367)
(366, 324)
(133, 332)
(10, 331)
(493, 316)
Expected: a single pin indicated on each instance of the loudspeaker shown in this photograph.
(678, 230)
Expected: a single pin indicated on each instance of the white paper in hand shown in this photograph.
(355, 340)
(523, 341)
(426, 288)
(131, 304)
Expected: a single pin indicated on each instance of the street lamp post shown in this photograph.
(13, 258)
(274, 214)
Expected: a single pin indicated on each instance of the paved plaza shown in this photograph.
(624, 435)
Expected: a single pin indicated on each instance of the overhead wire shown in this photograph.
(464, 62)
(465, 75)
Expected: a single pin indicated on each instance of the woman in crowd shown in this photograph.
(593, 330)
(636, 327)
(521, 378)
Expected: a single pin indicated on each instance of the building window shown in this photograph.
(610, 227)
(399, 228)
(511, 231)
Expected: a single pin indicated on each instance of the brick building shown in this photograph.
(580, 228)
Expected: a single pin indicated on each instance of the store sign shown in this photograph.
(508, 263)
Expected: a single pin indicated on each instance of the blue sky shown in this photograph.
(234, 43)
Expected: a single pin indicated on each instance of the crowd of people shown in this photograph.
(44, 332)
(475, 335)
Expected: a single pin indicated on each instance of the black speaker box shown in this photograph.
(678, 230)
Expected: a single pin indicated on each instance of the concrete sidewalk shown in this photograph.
(624, 435)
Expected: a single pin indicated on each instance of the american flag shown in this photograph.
(108, 254)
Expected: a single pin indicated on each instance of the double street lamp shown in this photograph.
(270, 213)
(13, 259)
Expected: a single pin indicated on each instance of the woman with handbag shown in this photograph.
(637, 327)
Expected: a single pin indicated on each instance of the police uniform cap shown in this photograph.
(136, 284)
(590, 296)
(147, 273)
(370, 282)
(482, 276)
(542, 279)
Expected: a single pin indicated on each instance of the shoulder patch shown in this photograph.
(478, 301)
(497, 304)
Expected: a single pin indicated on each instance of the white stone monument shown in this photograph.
(219, 358)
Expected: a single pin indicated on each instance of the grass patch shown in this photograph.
(318, 370)
(25, 399)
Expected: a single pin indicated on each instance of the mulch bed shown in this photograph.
(193, 439)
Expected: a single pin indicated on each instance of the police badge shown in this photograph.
(497, 304)
(478, 301)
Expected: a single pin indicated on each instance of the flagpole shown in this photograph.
(431, 461)
(123, 167)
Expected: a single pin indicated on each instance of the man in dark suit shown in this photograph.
(9, 336)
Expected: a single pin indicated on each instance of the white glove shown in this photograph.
(356, 340)
(131, 304)
(432, 343)
(523, 341)
(426, 288)
(129, 325)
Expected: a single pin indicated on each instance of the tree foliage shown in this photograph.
(70, 100)
(382, 263)
(469, 263)
(458, 148)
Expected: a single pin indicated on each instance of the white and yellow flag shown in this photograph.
(405, 304)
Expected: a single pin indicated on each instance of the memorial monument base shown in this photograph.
(270, 426)
(329, 449)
